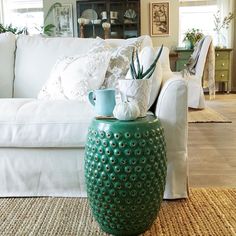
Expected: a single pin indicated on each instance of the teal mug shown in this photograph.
(103, 100)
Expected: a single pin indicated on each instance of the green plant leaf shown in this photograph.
(10, 28)
(48, 29)
(56, 4)
(138, 62)
(151, 69)
(133, 70)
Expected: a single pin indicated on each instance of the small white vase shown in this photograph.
(221, 41)
(138, 90)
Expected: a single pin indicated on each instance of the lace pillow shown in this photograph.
(52, 89)
(73, 77)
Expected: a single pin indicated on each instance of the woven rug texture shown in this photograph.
(206, 212)
(206, 115)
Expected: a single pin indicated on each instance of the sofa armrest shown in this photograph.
(172, 109)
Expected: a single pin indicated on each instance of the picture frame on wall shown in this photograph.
(160, 18)
(63, 20)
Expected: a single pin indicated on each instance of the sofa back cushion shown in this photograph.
(145, 41)
(36, 55)
(7, 54)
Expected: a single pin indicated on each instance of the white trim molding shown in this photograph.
(1, 11)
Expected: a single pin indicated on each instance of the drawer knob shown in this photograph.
(217, 54)
(223, 64)
(222, 75)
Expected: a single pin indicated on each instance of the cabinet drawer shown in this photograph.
(221, 55)
(184, 55)
(181, 64)
(222, 64)
(222, 75)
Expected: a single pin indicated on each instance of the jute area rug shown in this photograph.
(206, 115)
(206, 212)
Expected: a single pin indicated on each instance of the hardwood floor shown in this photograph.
(212, 147)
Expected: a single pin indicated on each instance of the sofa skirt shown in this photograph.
(59, 172)
(54, 172)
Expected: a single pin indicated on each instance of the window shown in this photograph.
(24, 14)
(1, 12)
(198, 17)
(199, 14)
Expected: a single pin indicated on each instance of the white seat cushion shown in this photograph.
(44, 123)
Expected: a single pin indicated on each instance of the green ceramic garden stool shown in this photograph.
(125, 171)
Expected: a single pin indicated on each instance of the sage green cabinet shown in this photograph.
(222, 64)
(183, 57)
(222, 67)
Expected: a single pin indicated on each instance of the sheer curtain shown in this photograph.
(1, 12)
(23, 14)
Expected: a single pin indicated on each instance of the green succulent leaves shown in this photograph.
(138, 73)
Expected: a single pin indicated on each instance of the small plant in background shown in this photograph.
(10, 28)
(139, 73)
(49, 28)
(192, 36)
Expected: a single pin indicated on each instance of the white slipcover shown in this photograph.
(173, 95)
(40, 142)
(196, 97)
(57, 172)
(7, 60)
(44, 123)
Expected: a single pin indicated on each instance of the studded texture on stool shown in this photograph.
(125, 170)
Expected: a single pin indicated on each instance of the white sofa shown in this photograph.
(42, 141)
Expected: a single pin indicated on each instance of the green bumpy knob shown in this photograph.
(125, 171)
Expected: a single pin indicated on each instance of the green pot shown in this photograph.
(125, 171)
(189, 44)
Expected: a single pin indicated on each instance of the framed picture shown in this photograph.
(159, 18)
(63, 21)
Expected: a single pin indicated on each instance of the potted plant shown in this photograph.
(48, 29)
(137, 85)
(10, 28)
(191, 37)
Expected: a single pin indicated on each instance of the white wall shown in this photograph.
(233, 84)
(171, 40)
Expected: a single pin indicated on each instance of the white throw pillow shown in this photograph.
(52, 89)
(146, 57)
(84, 73)
(73, 77)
